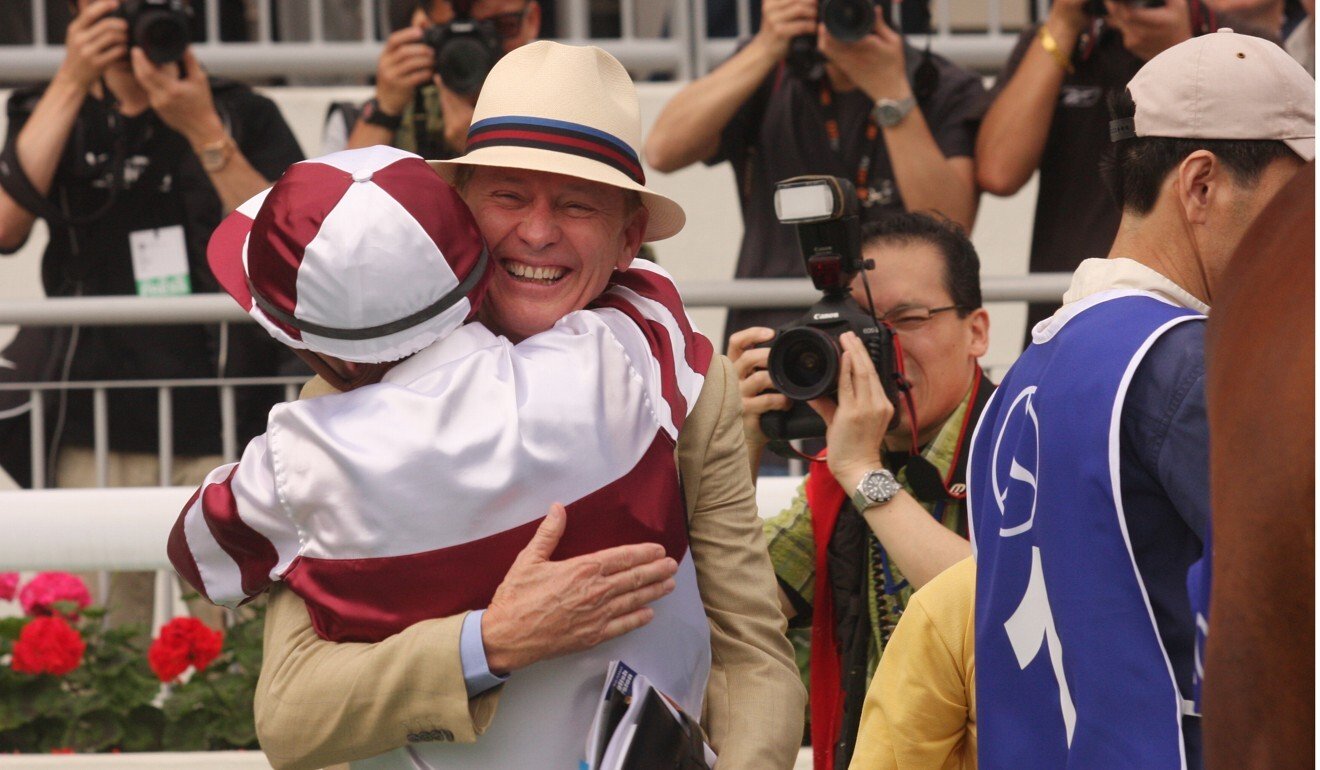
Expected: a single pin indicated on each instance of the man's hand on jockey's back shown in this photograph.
(545, 608)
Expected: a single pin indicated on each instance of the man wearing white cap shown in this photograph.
(1088, 479)
(553, 178)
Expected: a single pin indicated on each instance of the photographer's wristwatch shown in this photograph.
(890, 112)
(214, 156)
(373, 115)
(876, 488)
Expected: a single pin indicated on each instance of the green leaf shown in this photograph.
(240, 734)
(191, 732)
(144, 729)
(10, 628)
(96, 731)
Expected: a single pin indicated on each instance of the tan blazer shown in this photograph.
(319, 703)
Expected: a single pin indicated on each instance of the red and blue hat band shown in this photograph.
(557, 136)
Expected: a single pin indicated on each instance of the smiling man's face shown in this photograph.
(554, 240)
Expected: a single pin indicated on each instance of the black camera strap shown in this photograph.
(16, 183)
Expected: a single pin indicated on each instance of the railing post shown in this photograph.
(165, 435)
(39, 23)
(700, 65)
(37, 421)
(101, 436)
(228, 429)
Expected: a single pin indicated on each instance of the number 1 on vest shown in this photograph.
(1030, 627)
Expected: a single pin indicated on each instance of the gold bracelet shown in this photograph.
(1051, 47)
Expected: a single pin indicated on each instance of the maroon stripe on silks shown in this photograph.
(698, 350)
(441, 212)
(551, 140)
(181, 555)
(366, 600)
(299, 204)
(662, 347)
(255, 555)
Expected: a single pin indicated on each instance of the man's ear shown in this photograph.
(978, 326)
(1194, 182)
(633, 232)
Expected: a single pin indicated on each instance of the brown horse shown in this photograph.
(1259, 692)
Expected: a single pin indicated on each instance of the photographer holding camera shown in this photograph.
(884, 513)
(1049, 113)
(826, 86)
(429, 75)
(132, 155)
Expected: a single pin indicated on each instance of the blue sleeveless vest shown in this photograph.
(1070, 670)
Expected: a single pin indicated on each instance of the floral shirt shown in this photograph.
(792, 546)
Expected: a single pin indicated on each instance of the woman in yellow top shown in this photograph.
(920, 711)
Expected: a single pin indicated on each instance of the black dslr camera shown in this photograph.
(465, 50)
(161, 28)
(848, 20)
(804, 357)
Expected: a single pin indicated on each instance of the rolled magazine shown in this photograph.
(637, 727)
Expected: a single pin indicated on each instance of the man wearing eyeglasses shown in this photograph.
(926, 285)
(406, 79)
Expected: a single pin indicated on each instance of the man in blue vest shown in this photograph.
(1089, 492)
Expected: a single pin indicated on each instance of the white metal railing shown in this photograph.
(213, 308)
(226, 387)
(673, 41)
(218, 308)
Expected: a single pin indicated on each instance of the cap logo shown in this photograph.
(557, 136)
(382, 330)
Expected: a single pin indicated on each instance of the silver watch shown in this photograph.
(876, 488)
(890, 112)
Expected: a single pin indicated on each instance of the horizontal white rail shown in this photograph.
(88, 529)
(127, 528)
(214, 308)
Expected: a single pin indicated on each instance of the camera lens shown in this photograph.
(162, 35)
(463, 64)
(849, 20)
(804, 363)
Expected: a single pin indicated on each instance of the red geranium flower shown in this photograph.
(48, 646)
(183, 642)
(8, 585)
(42, 592)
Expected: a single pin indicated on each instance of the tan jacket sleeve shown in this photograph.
(755, 700)
(319, 703)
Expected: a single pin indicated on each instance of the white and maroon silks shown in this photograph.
(410, 499)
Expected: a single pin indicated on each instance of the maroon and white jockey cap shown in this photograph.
(365, 255)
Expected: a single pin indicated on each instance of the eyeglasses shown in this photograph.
(907, 318)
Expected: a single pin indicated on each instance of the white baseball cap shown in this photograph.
(1223, 86)
(365, 255)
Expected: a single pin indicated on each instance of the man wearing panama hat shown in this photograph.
(553, 178)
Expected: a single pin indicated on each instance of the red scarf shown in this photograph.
(824, 499)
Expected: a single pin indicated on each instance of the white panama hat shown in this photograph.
(568, 110)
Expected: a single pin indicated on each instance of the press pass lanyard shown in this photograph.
(831, 112)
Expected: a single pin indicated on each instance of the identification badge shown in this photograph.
(160, 262)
